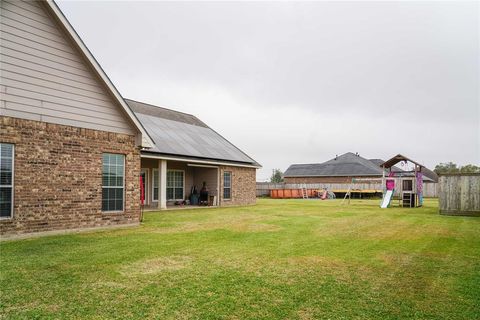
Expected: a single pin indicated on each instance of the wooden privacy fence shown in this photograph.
(459, 194)
(263, 188)
(430, 189)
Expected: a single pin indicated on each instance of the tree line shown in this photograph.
(450, 167)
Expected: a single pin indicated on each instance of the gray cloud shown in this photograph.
(300, 82)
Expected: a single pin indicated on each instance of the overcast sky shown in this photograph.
(291, 82)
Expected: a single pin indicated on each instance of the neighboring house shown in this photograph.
(341, 169)
(72, 149)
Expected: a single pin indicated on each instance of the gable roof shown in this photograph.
(182, 134)
(396, 159)
(429, 174)
(346, 165)
(350, 165)
(379, 163)
(57, 13)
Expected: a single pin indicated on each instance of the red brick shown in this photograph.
(58, 176)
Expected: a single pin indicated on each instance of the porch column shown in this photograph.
(162, 171)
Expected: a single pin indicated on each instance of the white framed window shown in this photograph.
(113, 182)
(175, 185)
(155, 185)
(6, 180)
(227, 185)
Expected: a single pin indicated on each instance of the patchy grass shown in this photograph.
(280, 259)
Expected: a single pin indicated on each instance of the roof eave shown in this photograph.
(186, 158)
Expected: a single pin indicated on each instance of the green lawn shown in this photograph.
(280, 259)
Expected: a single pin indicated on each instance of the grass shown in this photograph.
(280, 259)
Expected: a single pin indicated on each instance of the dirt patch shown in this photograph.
(256, 227)
(243, 223)
(316, 261)
(305, 314)
(156, 265)
(341, 270)
(32, 306)
(397, 260)
(292, 269)
(108, 285)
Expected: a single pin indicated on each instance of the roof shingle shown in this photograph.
(348, 164)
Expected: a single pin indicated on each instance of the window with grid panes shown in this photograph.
(175, 180)
(155, 184)
(113, 182)
(227, 185)
(6, 180)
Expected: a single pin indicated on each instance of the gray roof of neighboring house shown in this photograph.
(182, 134)
(348, 164)
(379, 163)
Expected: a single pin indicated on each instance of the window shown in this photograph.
(6, 180)
(407, 185)
(156, 182)
(175, 184)
(227, 185)
(113, 182)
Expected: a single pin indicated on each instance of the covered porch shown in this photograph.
(172, 184)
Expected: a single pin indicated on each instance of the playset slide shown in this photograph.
(386, 199)
(324, 195)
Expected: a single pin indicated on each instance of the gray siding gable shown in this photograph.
(45, 77)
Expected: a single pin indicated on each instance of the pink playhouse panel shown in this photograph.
(390, 184)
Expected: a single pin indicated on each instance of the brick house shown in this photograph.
(341, 170)
(72, 150)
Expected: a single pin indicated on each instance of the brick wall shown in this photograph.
(323, 179)
(58, 176)
(243, 186)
